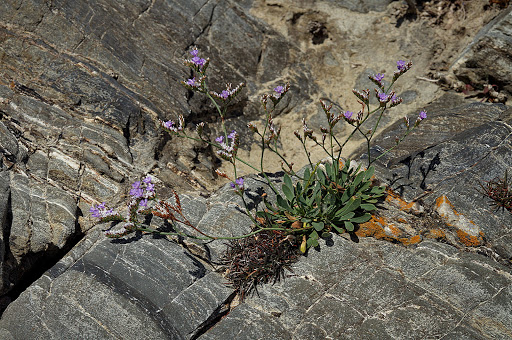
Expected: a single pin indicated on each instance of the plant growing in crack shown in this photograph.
(329, 196)
(499, 191)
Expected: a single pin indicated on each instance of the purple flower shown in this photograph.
(198, 61)
(219, 139)
(238, 183)
(136, 190)
(101, 211)
(348, 114)
(147, 179)
(150, 187)
(383, 97)
(225, 94)
(143, 202)
(232, 134)
(191, 82)
(169, 124)
(400, 65)
(279, 89)
(194, 52)
(378, 77)
(95, 212)
(423, 115)
(393, 99)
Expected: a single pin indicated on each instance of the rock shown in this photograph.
(403, 285)
(485, 60)
(84, 86)
(465, 146)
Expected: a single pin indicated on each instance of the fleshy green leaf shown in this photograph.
(288, 193)
(369, 173)
(326, 234)
(358, 179)
(368, 206)
(361, 219)
(349, 226)
(319, 226)
(378, 190)
(284, 204)
(288, 181)
(345, 217)
(338, 229)
(307, 174)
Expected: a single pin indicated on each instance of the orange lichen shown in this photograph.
(380, 229)
(411, 240)
(436, 234)
(395, 199)
(469, 240)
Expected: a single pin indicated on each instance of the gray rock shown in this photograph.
(486, 60)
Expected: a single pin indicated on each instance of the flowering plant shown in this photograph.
(328, 196)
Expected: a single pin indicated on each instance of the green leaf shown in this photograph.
(349, 226)
(321, 176)
(369, 173)
(368, 206)
(365, 186)
(378, 190)
(345, 197)
(306, 220)
(307, 174)
(288, 181)
(346, 216)
(319, 226)
(361, 219)
(284, 204)
(299, 188)
(358, 179)
(288, 193)
(352, 205)
(338, 229)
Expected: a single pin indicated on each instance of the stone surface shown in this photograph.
(82, 87)
(486, 60)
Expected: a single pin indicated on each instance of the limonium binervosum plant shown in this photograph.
(329, 196)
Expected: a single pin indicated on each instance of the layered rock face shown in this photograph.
(83, 86)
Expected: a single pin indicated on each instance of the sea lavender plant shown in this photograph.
(333, 196)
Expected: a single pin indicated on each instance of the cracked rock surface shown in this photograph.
(82, 86)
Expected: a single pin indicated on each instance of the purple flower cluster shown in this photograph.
(228, 151)
(348, 115)
(199, 62)
(422, 115)
(102, 211)
(402, 67)
(143, 191)
(378, 77)
(238, 183)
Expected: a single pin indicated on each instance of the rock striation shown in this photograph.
(82, 87)
(407, 273)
